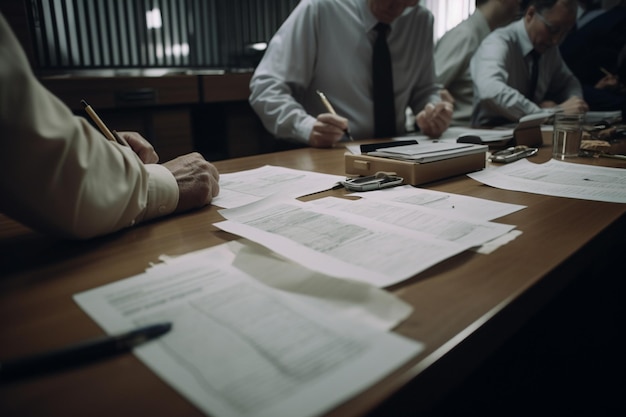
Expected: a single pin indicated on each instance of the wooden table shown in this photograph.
(464, 308)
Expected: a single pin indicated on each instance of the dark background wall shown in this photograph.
(80, 34)
(176, 71)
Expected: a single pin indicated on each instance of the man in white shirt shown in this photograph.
(328, 45)
(502, 67)
(456, 47)
(59, 175)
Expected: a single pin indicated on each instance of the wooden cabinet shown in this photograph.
(178, 113)
(227, 87)
(127, 91)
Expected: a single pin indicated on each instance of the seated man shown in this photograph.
(328, 45)
(61, 176)
(592, 51)
(502, 68)
(456, 47)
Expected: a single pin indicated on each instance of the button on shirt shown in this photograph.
(501, 71)
(327, 45)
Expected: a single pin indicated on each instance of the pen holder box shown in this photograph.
(415, 173)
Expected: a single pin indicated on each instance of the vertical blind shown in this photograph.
(146, 33)
(448, 13)
(83, 34)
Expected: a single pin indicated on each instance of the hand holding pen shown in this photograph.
(197, 179)
(329, 127)
(144, 149)
(113, 136)
(435, 118)
(609, 81)
(134, 140)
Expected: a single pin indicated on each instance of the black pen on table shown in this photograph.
(80, 353)
(331, 110)
(113, 136)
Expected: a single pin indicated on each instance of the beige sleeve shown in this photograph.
(59, 174)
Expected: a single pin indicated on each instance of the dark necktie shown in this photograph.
(384, 103)
(534, 76)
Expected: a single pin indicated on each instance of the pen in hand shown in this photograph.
(79, 354)
(331, 110)
(113, 136)
(605, 72)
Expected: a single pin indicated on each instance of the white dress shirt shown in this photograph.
(453, 53)
(501, 70)
(326, 45)
(60, 175)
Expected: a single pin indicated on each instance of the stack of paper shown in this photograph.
(381, 243)
(429, 152)
(294, 343)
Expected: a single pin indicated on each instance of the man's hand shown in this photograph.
(574, 105)
(327, 130)
(434, 119)
(198, 180)
(609, 81)
(141, 147)
(446, 96)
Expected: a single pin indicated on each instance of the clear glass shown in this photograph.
(567, 135)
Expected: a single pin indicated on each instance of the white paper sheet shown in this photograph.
(450, 135)
(470, 207)
(239, 348)
(453, 132)
(429, 151)
(351, 299)
(243, 187)
(447, 225)
(338, 244)
(597, 116)
(558, 178)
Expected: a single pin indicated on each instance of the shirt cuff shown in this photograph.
(162, 192)
(304, 128)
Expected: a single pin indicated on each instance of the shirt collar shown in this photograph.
(479, 21)
(525, 44)
(369, 21)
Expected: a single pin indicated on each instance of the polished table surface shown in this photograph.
(464, 307)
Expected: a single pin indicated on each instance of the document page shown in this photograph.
(239, 348)
(441, 224)
(450, 136)
(452, 133)
(429, 151)
(471, 207)
(558, 178)
(240, 188)
(336, 243)
(338, 297)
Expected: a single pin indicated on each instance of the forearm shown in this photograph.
(280, 113)
(508, 103)
(80, 191)
(59, 174)
(492, 92)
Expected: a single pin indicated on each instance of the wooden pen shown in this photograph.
(605, 72)
(331, 110)
(112, 136)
